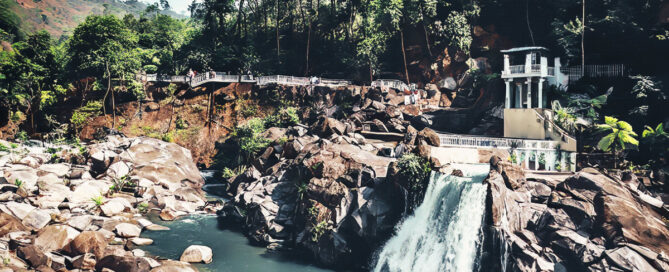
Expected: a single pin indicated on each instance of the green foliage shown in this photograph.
(620, 137)
(180, 123)
(3, 148)
(80, 116)
(415, 169)
(18, 183)
(98, 200)
(231, 173)
(249, 139)
(282, 118)
(455, 31)
(143, 207)
(21, 136)
(318, 230)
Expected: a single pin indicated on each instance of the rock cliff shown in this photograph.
(585, 222)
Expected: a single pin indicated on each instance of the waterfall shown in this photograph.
(444, 233)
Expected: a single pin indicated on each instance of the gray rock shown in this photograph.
(197, 254)
(127, 230)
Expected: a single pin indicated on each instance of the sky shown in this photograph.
(179, 6)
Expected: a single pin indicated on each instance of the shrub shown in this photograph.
(81, 115)
(21, 136)
(283, 118)
(3, 148)
(180, 123)
(249, 139)
(318, 231)
(143, 207)
(415, 171)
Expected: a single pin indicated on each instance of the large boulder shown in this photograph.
(88, 242)
(9, 224)
(197, 254)
(123, 263)
(127, 230)
(55, 237)
(430, 136)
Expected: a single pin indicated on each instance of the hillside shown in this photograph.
(59, 17)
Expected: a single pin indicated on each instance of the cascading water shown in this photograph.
(444, 233)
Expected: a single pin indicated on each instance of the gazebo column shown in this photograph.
(536, 160)
(527, 159)
(541, 87)
(507, 102)
(529, 93)
(562, 164)
(519, 95)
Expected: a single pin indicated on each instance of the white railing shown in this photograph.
(551, 71)
(536, 68)
(503, 143)
(396, 84)
(283, 80)
(517, 69)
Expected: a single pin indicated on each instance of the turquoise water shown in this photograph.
(232, 250)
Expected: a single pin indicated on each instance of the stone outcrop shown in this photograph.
(586, 222)
(57, 213)
(327, 195)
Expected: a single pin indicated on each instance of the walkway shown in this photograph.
(219, 77)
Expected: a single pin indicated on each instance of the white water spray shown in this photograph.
(444, 233)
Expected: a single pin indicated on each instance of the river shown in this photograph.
(232, 250)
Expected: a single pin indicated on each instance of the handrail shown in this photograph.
(503, 143)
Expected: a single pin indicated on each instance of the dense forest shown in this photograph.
(417, 41)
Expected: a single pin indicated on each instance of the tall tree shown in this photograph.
(103, 47)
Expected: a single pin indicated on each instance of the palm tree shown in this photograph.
(621, 134)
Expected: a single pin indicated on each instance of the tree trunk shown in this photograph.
(104, 99)
(583, 41)
(278, 44)
(404, 55)
(113, 110)
(306, 71)
(239, 19)
(371, 73)
(427, 39)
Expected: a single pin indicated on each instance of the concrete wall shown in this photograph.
(525, 124)
(466, 155)
(522, 123)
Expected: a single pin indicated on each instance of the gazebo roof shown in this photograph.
(523, 49)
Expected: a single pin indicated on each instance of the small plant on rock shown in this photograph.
(143, 207)
(18, 183)
(98, 200)
(318, 231)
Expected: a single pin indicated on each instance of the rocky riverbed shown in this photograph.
(82, 207)
(589, 221)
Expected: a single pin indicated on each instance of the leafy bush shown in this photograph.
(3, 148)
(21, 136)
(231, 173)
(249, 139)
(318, 231)
(415, 169)
(180, 123)
(283, 118)
(81, 115)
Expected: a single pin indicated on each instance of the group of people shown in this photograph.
(192, 73)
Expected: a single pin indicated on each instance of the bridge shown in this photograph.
(219, 77)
